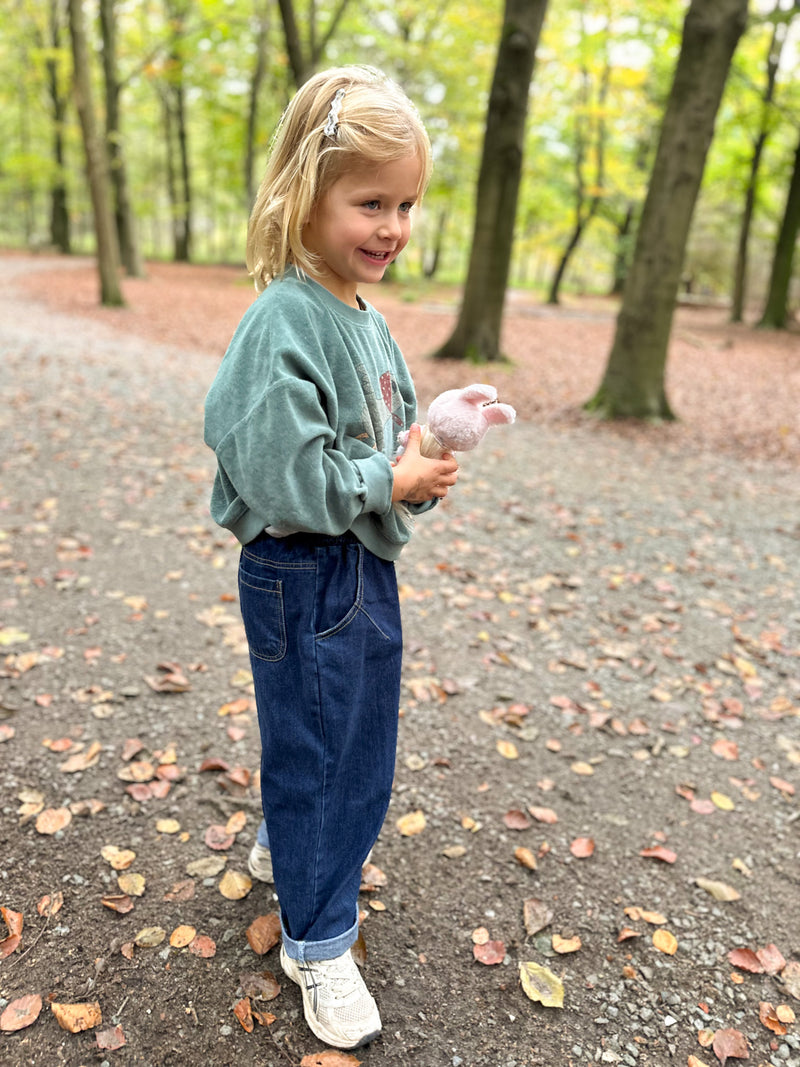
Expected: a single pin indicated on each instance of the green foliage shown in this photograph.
(443, 52)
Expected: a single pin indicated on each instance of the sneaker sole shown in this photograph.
(315, 1027)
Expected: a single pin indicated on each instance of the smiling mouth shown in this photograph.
(379, 257)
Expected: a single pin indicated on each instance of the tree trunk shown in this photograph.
(477, 332)
(123, 215)
(776, 311)
(59, 209)
(740, 269)
(300, 66)
(584, 213)
(622, 251)
(96, 163)
(176, 133)
(633, 384)
(256, 84)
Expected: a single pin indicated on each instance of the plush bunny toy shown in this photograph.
(459, 418)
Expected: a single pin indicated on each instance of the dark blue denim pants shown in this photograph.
(322, 619)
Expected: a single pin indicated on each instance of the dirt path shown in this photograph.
(599, 628)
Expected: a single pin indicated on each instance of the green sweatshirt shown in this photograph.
(303, 417)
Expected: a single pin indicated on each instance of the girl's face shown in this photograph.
(362, 224)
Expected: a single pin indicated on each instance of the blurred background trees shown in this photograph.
(186, 95)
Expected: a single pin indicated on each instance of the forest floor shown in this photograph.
(599, 755)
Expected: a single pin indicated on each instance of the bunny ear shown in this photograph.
(497, 413)
(484, 394)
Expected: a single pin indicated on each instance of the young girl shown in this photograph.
(303, 416)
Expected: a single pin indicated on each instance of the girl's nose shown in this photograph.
(390, 227)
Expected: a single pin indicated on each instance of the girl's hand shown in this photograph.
(416, 478)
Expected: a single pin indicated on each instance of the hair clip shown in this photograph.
(332, 121)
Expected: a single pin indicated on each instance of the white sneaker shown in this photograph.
(259, 863)
(338, 1007)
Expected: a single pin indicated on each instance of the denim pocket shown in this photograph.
(340, 589)
(261, 600)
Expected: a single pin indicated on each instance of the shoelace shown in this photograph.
(312, 985)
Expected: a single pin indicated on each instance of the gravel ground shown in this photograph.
(602, 658)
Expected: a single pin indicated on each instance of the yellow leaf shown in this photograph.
(582, 768)
(412, 823)
(150, 936)
(132, 884)
(540, 984)
(722, 802)
(235, 885)
(119, 858)
(665, 942)
(168, 826)
(718, 890)
(11, 636)
(507, 749)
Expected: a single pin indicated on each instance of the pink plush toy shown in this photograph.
(459, 418)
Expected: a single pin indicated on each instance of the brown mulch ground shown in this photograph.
(734, 388)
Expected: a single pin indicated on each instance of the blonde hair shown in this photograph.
(314, 146)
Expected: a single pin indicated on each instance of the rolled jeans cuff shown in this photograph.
(320, 950)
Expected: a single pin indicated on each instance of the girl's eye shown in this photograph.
(406, 207)
(372, 205)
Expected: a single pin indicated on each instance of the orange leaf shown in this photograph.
(77, 1017)
(564, 945)
(203, 946)
(626, 933)
(329, 1058)
(665, 942)
(769, 1018)
(772, 959)
(525, 858)
(243, 1010)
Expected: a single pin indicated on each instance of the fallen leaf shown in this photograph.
(769, 1018)
(81, 761)
(118, 902)
(412, 823)
(536, 915)
(236, 823)
(235, 885)
(658, 852)
(507, 749)
(516, 820)
(772, 959)
(181, 891)
(243, 1010)
(782, 786)
(746, 960)
(218, 838)
(626, 933)
(51, 820)
(19, 1013)
(565, 945)
(723, 802)
(585, 770)
(786, 1014)
(718, 890)
(168, 826)
(181, 936)
(665, 942)
(790, 976)
(264, 933)
(49, 906)
(150, 937)
(203, 946)
(208, 867)
(77, 1017)
(480, 936)
(582, 847)
(693, 1061)
(525, 858)
(546, 815)
(490, 952)
(119, 858)
(132, 883)
(730, 1044)
(263, 986)
(329, 1058)
(110, 1040)
(727, 750)
(540, 984)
